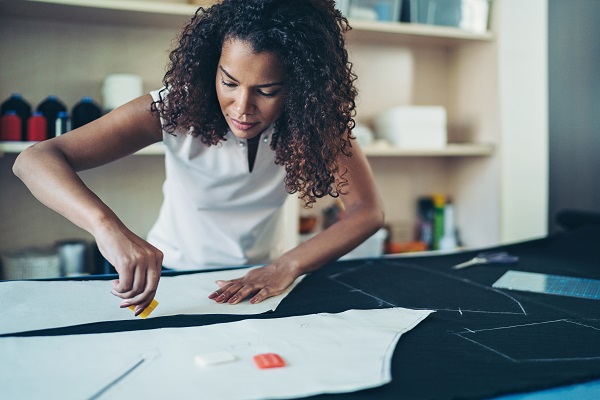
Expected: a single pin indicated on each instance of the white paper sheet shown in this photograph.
(34, 305)
(325, 353)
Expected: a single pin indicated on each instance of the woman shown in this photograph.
(258, 103)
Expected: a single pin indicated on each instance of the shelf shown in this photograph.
(398, 32)
(451, 150)
(17, 147)
(174, 15)
(128, 12)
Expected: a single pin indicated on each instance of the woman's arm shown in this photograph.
(363, 216)
(49, 169)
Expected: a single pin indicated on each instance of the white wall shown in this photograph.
(494, 92)
(523, 88)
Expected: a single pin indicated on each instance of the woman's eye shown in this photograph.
(228, 84)
(268, 94)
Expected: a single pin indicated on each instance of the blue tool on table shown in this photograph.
(500, 257)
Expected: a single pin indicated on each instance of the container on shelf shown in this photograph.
(18, 104)
(31, 263)
(84, 112)
(470, 15)
(10, 127)
(371, 10)
(342, 5)
(413, 127)
(449, 240)
(37, 127)
(363, 134)
(307, 224)
(63, 123)
(370, 248)
(425, 221)
(439, 201)
(73, 257)
(119, 89)
(50, 108)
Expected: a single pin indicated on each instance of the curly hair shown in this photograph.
(317, 119)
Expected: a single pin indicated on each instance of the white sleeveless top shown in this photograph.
(215, 212)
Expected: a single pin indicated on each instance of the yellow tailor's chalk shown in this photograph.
(144, 314)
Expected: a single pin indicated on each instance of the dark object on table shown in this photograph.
(573, 219)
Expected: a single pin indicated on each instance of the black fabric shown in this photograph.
(573, 219)
(481, 341)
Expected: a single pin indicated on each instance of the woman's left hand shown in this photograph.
(260, 283)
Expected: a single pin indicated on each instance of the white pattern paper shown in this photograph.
(35, 305)
(324, 353)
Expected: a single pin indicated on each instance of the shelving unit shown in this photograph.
(140, 13)
(66, 47)
(451, 150)
(173, 14)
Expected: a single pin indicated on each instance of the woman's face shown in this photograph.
(250, 88)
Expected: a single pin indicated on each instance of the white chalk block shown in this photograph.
(208, 359)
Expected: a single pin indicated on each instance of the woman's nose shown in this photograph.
(244, 103)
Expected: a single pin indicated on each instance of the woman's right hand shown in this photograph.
(138, 263)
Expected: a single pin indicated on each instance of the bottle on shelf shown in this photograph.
(425, 221)
(18, 104)
(10, 127)
(449, 240)
(63, 123)
(37, 127)
(85, 111)
(439, 202)
(50, 108)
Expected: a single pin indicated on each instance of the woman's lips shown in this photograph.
(242, 126)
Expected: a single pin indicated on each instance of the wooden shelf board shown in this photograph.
(451, 150)
(17, 147)
(125, 12)
(398, 32)
(174, 15)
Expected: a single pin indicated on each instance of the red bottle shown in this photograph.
(18, 104)
(10, 127)
(37, 127)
